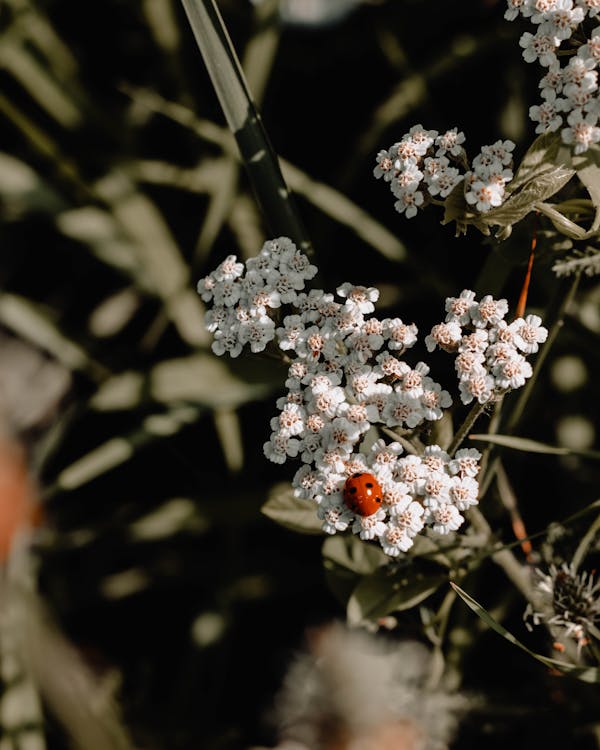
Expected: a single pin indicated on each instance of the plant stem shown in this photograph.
(519, 408)
(465, 427)
(244, 121)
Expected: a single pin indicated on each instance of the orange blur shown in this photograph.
(18, 507)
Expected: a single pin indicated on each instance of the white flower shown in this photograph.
(433, 400)
(411, 519)
(451, 141)
(446, 518)
(540, 47)
(334, 514)
(445, 182)
(227, 293)
(396, 496)
(306, 483)
(369, 527)
(476, 342)
(296, 262)
(435, 488)
(390, 367)
(583, 131)
(359, 297)
(228, 270)
(457, 308)
(561, 20)
(410, 470)
(484, 196)
(422, 137)
(400, 336)
(591, 50)
(412, 382)
(547, 116)
(478, 385)
(517, 6)
(384, 166)
(227, 342)
(488, 312)
(530, 333)
(465, 462)
(327, 401)
(280, 446)
(402, 410)
(362, 382)
(469, 362)
(290, 420)
(408, 202)
(512, 373)
(257, 332)
(407, 177)
(362, 415)
(445, 335)
(341, 434)
(435, 458)
(384, 454)
(464, 492)
(395, 539)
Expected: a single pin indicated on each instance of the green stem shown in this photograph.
(465, 428)
(584, 544)
(244, 121)
(519, 407)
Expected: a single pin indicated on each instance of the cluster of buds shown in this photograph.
(424, 166)
(347, 381)
(491, 353)
(569, 92)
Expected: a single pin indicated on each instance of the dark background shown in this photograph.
(263, 584)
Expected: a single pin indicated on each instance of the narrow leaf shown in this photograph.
(533, 446)
(585, 674)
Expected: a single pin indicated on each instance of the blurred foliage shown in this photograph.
(120, 186)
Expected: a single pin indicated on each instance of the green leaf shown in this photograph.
(542, 156)
(292, 512)
(350, 552)
(520, 203)
(585, 674)
(533, 446)
(385, 591)
(588, 171)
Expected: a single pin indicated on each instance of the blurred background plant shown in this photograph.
(120, 186)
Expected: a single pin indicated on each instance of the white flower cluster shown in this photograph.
(418, 168)
(416, 492)
(491, 353)
(243, 298)
(346, 376)
(569, 92)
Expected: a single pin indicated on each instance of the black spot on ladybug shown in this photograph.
(377, 499)
(369, 484)
(353, 490)
(355, 476)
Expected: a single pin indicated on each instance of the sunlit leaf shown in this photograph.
(385, 592)
(289, 511)
(36, 325)
(520, 203)
(350, 552)
(203, 379)
(541, 157)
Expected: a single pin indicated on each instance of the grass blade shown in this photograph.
(244, 121)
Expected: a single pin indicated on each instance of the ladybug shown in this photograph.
(362, 494)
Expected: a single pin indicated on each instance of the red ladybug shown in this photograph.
(363, 494)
